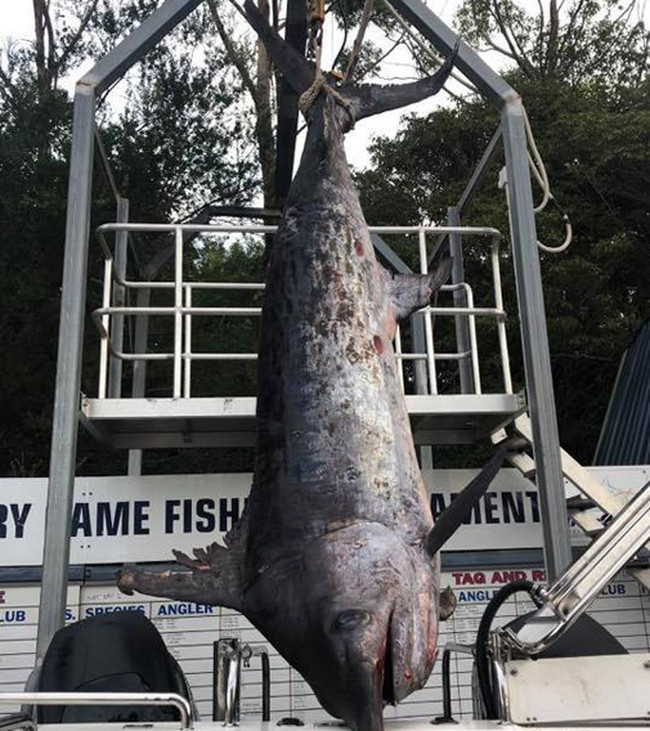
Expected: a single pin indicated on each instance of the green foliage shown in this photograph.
(176, 137)
(595, 143)
(580, 42)
(32, 216)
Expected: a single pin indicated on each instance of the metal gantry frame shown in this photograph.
(527, 269)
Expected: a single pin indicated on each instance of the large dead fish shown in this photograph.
(335, 558)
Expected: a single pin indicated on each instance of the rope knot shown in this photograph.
(309, 96)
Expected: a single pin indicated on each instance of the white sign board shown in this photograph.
(190, 629)
(141, 519)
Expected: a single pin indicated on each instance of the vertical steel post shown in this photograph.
(119, 293)
(460, 300)
(537, 362)
(139, 385)
(428, 320)
(56, 551)
(178, 316)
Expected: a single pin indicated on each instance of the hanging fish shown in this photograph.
(335, 558)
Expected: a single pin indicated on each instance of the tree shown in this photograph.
(584, 41)
(176, 139)
(593, 132)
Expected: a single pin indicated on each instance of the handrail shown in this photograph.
(258, 229)
(47, 698)
(15, 721)
(182, 309)
(573, 591)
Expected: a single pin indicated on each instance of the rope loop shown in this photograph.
(309, 96)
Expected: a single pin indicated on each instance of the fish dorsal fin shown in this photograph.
(450, 519)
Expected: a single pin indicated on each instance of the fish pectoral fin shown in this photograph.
(215, 578)
(452, 517)
(410, 292)
(446, 604)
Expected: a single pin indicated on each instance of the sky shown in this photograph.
(16, 22)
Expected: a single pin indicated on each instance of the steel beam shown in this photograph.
(479, 172)
(119, 293)
(56, 551)
(460, 300)
(537, 362)
(118, 61)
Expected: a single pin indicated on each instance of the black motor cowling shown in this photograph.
(118, 652)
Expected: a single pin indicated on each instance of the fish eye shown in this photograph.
(351, 619)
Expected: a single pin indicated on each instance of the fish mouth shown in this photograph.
(388, 694)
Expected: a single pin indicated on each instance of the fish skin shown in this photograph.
(329, 560)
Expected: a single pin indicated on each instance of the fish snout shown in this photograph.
(412, 649)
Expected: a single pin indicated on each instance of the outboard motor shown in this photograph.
(119, 652)
(584, 638)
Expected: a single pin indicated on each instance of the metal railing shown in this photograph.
(104, 699)
(182, 311)
(17, 721)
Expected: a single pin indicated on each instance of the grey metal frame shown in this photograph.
(537, 362)
(65, 422)
(56, 552)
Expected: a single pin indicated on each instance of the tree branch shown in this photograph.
(554, 27)
(496, 47)
(356, 46)
(539, 43)
(39, 8)
(513, 44)
(342, 46)
(74, 41)
(51, 64)
(232, 52)
(296, 70)
(384, 56)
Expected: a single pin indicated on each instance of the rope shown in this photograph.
(539, 171)
(309, 96)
